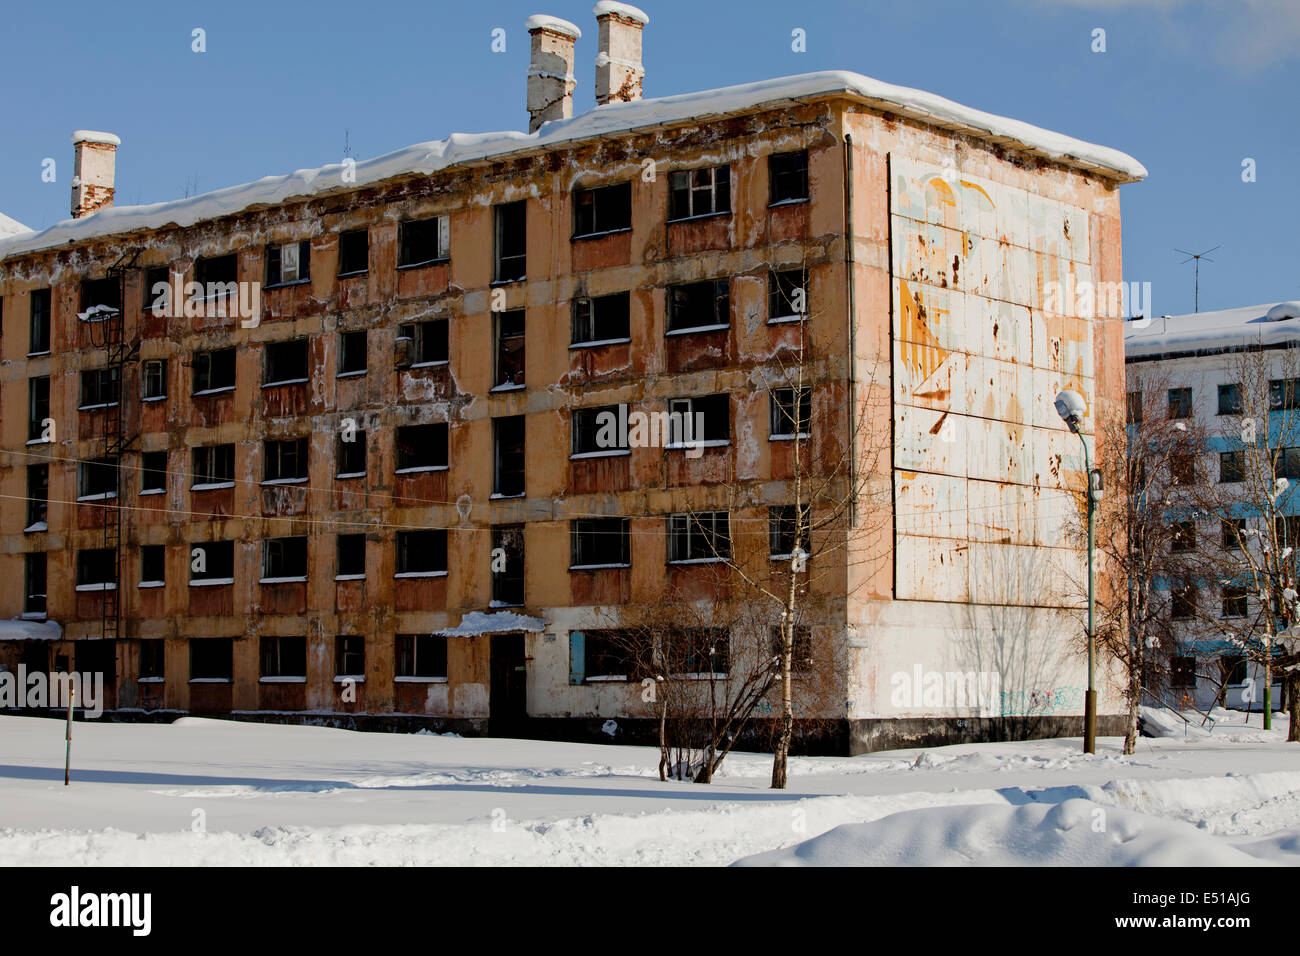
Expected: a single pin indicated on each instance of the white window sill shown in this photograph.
(92, 408)
(152, 491)
(211, 582)
(699, 561)
(286, 481)
(103, 586)
(598, 342)
(287, 285)
(287, 381)
(787, 202)
(102, 496)
(426, 262)
(508, 387)
(801, 436)
(154, 398)
(600, 235)
(420, 468)
(152, 584)
(33, 616)
(39, 441)
(211, 680)
(606, 679)
(356, 374)
(611, 453)
(699, 676)
(349, 577)
(687, 446)
(497, 496)
(150, 680)
(213, 486)
(429, 364)
(353, 678)
(37, 527)
(420, 574)
(698, 328)
(38, 354)
(700, 215)
(350, 474)
(212, 391)
(785, 319)
(288, 579)
(597, 567)
(282, 680)
(419, 680)
(354, 273)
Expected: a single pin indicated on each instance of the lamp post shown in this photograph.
(1071, 406)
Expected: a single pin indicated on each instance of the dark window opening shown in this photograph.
(511, 241)
(1182, 469)
(1183, 672)
(152, 658)
(421, 655)
(699, 651)
(38, 408)
(604, 318)
(699, 305)
(596, 430)
(351, 554)
(212, 561)
(703, 419)
(354, 252)
(156, 296)
(601, 210)
(1233, 533)
(787, 175)
(38, 494)
(285, 362)
(699, 536)
(97, 478)
(96, 567)
(599, 542)
(100, 388)
(284, 558)
(1287, 531)
(508, 564)
(214, 371)
(801, 659)
(153, 379)
(787, 294)
(100, 297)
(422, 343)
(351, 455)
(699, 192)
(1284, 393)
(1232, 466)
(1184, 536)
(510, 347)
(217, 270)
(212, 658)
(1182, 602)
(786, 531)
(508, 456)
(214, 465)
(1234, 602)
(1180, 403)
(350, 655)
(288, 263)
(153, 471)
(352, 352)
(790, 412)
(1230, 399)
(421, 447)
(284, 460)
(153, 564)
(39, 327)
(34, 568)
(423, 241)
(1134, 408)
(422, 552)
(609, 655)
(1286, 463)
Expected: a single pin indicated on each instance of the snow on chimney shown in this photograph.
(550, 73)
(92, 173)
(618, 64)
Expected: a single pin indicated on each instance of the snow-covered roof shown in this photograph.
(625, 10)
(20, 630)
(94, 136)
(11, 227)
(540, 21)
(431, 157)
(481, 622)
(1207, 332)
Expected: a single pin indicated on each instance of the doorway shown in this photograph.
(508, 700)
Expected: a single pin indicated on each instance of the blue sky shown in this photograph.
(1189, 87)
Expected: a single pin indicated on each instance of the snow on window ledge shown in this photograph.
(354, 678)
(100, 586)
(607, 453)
(212, 486)
(38, 526)
(102, 496)
(419, 680)
(151, 680)
(286, 481)
(594, 343)
(416, 469)
(282, 680)
(717, 327)
(152, 584)
(211, 582)
(289, 579)
(286, 381)
(211, 680)
(357, 373)
(420, 574)
(349, 577)
(152, 491)
(212, 391)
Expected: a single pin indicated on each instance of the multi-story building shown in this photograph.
(246, 513)
(1190, 368)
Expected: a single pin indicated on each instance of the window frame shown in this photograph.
(587, 535)
(406, 544)
(438, 226)
(682, 183)
(798, 159)
(584, 319)
(281, 559)
(342, 257)
(676, 305)
(692, 527)
(588, 203)
(282, 455)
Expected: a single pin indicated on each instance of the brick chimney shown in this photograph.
(92, 173)
(550, 73)
(618, 64)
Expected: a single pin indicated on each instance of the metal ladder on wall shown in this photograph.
(109, 334)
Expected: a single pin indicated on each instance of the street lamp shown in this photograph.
(1071, 406)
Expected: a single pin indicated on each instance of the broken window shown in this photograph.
(354, 252)
(1180, 403)
(152, 659)
(100, 298)
(39, 327)
(350, 655)
(602, 210)
(156, 295)
(211, 658)
(352, 353)
(284, 460)
(422, 343)
(97, 479)
(787, 176)
(699, 305)
(599, 543)
(698, 537)
(100, 388)
(511, 241)
(1230, 399)
(214, 371)
(38, 408)
(787, 294)
(219, 271)
(510, 348)
(699, 192)
(212, 562)
(34, 568)
(153, 565)
(588, 433)
(687, 415)
(421, 447)
(508, 564)
(96, 568)
(153, 380)
(791, 412)
(284, 559)
(38, 494)
(214, 466)
(423, 241)
(421, 655)
(786, 531)
(288, 263)
(351, 557)
(284, 362)
(508, 456)
(351, 455)
(421, 553)
(601, 319)
(153, 472)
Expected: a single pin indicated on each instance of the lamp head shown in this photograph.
(1071, 406)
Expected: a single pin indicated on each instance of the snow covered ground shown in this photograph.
(218, 792)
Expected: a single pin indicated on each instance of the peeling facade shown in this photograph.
(926, 250)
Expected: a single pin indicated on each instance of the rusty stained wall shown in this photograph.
(954, 244)
(652, 368)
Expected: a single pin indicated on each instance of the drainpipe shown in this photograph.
(853, 352)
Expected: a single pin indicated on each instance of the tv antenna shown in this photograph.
(1196, 257)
